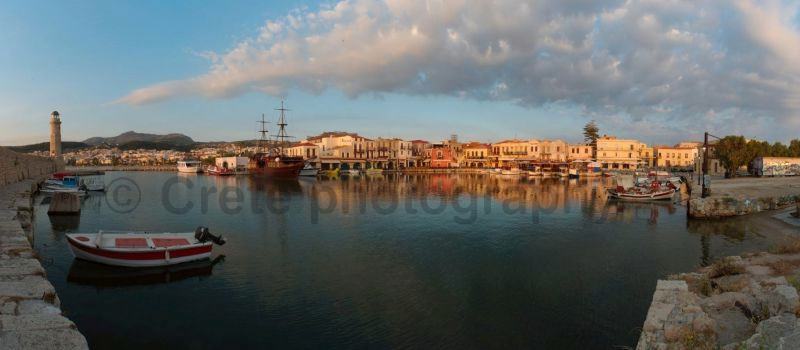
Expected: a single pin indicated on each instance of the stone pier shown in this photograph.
(742, 196)
(30, 313)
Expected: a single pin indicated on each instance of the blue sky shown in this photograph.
(114, 66)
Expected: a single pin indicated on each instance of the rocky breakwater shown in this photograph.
(739, 302)
(30, 313)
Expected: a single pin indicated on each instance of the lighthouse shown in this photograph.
(55, 135)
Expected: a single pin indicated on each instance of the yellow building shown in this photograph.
(580, 152)
(677, 156)
(624, 154)
(475, 155)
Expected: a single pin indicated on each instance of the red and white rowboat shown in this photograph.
(143, 249)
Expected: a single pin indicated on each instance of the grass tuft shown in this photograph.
(725, 267)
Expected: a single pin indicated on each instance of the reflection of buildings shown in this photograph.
(546, 194)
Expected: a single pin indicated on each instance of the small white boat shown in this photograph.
(511, 172)
(573, 173)
(93, 184)
(143, 249)
(190, 166)
(48, 190)
(532, 173)
(354, 172)
(309, 170)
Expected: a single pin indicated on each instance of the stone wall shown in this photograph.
(30, 313)
(739, 302)
(16, 166)
(718, 207)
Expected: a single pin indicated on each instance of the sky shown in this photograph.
(660, 71)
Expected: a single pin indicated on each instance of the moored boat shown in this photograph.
(215, 170)
(190, 166)
(143, 249)
(273, 162)
(309, 170)
(640, 195)
(627, 190)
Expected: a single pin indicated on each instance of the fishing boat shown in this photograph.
(511, 172)
(190, 166)
(640, 195)
(143, 249)
(274, 162)
(50, 190)
(309, 170)
(573, 173)
(626, 190)
(354, 172)
(219, 171)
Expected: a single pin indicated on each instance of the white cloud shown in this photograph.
(678, 61)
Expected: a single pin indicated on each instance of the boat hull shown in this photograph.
(643, 197)
(138, 257)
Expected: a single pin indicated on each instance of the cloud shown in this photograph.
(678, 61)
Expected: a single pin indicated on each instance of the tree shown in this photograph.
(733, 152)
(591, 133)
(779, 150)
(794, 148)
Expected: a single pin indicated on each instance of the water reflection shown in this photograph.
(104, 276)
(582, 276)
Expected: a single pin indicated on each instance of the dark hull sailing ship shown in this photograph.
(273, 161)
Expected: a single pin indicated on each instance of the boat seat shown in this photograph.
(169, 242)
(130, 243)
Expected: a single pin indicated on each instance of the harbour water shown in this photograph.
(394, 261)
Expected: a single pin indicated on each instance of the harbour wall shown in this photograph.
(734, 197)
(30, 311)
(16, 166)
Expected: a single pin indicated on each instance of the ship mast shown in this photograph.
(262, 141)
(281, 139)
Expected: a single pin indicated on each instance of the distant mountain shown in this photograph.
(133, 137)
(66, 146)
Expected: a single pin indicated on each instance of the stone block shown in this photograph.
(32, 322)
(16, 267)
(63, 339)
(30, 307)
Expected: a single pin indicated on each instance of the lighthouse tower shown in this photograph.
(55, 135)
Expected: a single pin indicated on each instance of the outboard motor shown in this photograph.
(201, 234)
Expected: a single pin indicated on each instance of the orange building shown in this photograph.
(440, 156)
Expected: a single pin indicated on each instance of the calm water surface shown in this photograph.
(447, 261)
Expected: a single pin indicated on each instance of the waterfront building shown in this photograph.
(418, 150)
(305, 149)
(441, 156)
(514, 151)
(623, 154)
(55, 135)
(475, 155)
(552, 151)
(682, 155)
(580, 152)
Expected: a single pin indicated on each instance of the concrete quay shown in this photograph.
(30, 313)
(742, 196)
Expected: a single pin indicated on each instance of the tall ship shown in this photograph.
(271, 160)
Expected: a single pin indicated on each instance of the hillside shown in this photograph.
(132, 136)
(66, 146)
